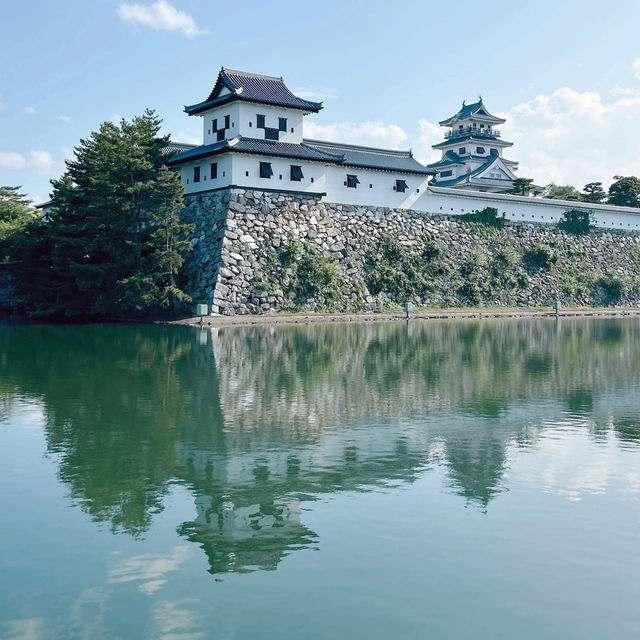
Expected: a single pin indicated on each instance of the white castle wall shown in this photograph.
(524, 209)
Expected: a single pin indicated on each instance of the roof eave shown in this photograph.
(195, 109)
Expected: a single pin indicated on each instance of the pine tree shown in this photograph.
(593, 192)
(625, 191)
(114, 241)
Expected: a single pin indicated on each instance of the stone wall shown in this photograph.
(240, 231)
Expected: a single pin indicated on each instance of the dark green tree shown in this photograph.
(14, 206)
(576, 222)
(593, 192)
(561, 192)
(114, 243)
(625, 191)
(521, 186)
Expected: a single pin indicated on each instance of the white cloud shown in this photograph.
(40, 161)
(430, 134)
(188, 138)
(635, 67)
(10, 160)
(375, 133)
(30, 111)
(569, 137)
(316, 93)
(65, 118)
(160, 16)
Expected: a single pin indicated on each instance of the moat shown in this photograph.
(427, 479)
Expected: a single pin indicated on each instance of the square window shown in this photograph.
(462, 151)
(479, 149)
(214, 170)
(282, 124)
(196, 174)
(271, 134)
(401, 185)
(265, 170)
(296, 173)
(259, 121)
(352, 182)
(221, 135)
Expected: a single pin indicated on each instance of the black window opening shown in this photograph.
(462, 151)
(271, 134)
(196, 174)
(259, 121)
(214, 125)
(444, 174)
(401, 185)
(282, 124)
(214, 170)
(221, 135)
(296, 173)
(227, 122)
(265, 170)
(352, 182)
(479, 149)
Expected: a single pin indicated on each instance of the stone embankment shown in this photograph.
(246, 240)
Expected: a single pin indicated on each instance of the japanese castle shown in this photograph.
(472, 152)
(253, 138)
(252, 127)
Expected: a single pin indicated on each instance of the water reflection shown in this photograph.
(253, 421)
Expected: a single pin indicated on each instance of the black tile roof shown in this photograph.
(468, 110)
(312, 150)
(450, 158)
(372, 158)
(470, 138)
(259, 147)
(252, 87)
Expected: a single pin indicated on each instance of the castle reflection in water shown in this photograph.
(255, 421)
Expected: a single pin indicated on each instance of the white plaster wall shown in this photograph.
(246, 163)
(206, 183)
(232, 110)
(247, 119)
(375, 188)
(524, 209)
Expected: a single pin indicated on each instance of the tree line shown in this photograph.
(111, 243)
(623, 192)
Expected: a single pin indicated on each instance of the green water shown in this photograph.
(437, 480)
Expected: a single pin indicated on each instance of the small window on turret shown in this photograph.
(462, 150)
(265, 170)
(479, 149)
(260, 121)
(282, 124)
(352, 182)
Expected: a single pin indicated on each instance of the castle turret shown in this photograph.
(472, 152)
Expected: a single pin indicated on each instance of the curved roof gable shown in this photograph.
(251, 87)
(477, 109)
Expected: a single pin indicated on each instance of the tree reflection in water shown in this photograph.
(256, 420)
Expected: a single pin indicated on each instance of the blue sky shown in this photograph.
(566, 74)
